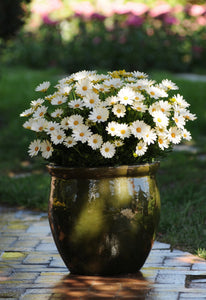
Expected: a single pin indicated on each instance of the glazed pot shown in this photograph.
(104, 220)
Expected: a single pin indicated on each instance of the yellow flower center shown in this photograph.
(162, 109)
(84, 88)
(48, 148)
(118, 110)
(95, 141)
(59, 137)
(106, 150)
(36, 148)
(70, 142)
(161, 141)
(51, 128)
(112, 129)
(126, 98)
(123, 131)
(91, 101)
(76, 105)
(76, 123)
(41, 114)
(41, 128)
(81, 134)
(138, 129)
(176, 120)
(159, 120)
(152, 93)
(60, 102)
(99, 117)
(139, 147)
(173, 135)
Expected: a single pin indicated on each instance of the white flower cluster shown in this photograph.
(107, 111)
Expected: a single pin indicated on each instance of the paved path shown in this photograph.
(31, 268)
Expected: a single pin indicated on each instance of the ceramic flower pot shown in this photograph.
(104, 220)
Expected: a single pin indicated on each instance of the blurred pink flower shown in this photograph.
(47, 7)
(134, 20)
(160, 10)
(201, 20)
(196, 10)
(83, 9)
(137, 9)
(48, 21)
(170, 20)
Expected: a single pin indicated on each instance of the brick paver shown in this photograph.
(31, 268)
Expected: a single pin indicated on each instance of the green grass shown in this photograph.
(181, 178)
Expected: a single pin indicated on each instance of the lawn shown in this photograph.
(181, 178)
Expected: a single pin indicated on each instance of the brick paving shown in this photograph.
(31, 268)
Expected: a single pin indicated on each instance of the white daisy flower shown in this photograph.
(160, 119)
(69, 142)
(40, 112)
(156, 92)
(27, 112)
(64, 89)
(83, 75)
(118, 143)
(107, 150)
(112, 128)
(180, 101)
(188, 116)
(139, 96)
(163, 141)
(119, 110)
(65, 123)
(83, 86)
(99, 114)
(58, 100)
(57, 113)
(113, 82)
(186, 135)
(174, 135)
(150, 137)
(141, 148)
(75, 120)
(112, 100)
(126, 95)
(139, 74)
(36, 103)
(168, 85)
(142, 84)
(123, 131)
(139, 129)
(47, 149)
(139, 106)
(91, 100)
(43, 87)
(95, 141)
(179, 120)
(34, 147)
(28, 124)
(58, 136)
(81, 133)
(99, 87)
(76, 104)
(165, 107)
(52, 126)
(39, 125)
(154, 108)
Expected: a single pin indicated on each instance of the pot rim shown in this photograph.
(145, 169)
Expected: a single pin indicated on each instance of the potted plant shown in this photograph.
(103, 135)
